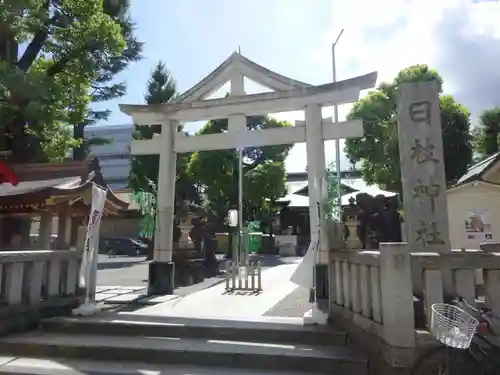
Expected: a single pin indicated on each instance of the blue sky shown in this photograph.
(293, 37)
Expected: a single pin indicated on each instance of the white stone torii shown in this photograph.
(289, 95)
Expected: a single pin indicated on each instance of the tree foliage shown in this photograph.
(161, 88)
(487, 134)
(378, 149)
(105, 86)
(146, 200)
(48, 85)
(332, 206)
(263, 170)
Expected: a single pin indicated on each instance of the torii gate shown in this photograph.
(288, 95)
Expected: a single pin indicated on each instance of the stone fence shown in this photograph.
(386, 295)
(35, 284)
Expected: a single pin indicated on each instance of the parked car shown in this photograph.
(123, 246)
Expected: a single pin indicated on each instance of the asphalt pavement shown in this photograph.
(122, 271)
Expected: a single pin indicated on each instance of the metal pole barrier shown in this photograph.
(239, 277)
(236, 253)
(240, 197)
(233, 279)
(259, 276)
(228, 273)
(245, 246)
(252, 272)
(246, 275)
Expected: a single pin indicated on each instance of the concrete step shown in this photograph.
(338, 360)
(262, 330)
(60, 366)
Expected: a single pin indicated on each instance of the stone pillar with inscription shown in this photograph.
(422, 167)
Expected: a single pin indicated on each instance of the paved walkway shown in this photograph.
(294, 305)
(215, 303)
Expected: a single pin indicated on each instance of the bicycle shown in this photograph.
(464, 349)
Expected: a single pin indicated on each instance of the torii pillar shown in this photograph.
(162, 268)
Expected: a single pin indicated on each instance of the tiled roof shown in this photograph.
(25, 187)
(477, 171)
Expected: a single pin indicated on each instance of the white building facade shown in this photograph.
(114, 158)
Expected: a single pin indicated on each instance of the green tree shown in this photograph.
(487, 134)
(270, 177)
(378, 149)
(332, 206)
(161, 88)
(48, 86)
(263, 170)
(105, 87)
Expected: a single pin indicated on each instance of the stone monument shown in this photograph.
(422, 167)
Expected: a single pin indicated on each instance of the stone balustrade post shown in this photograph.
(397, 295)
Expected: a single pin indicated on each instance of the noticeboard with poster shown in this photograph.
(478, 224)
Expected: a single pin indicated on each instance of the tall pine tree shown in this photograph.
(161, 88)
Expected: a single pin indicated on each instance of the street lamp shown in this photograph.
(233, 218)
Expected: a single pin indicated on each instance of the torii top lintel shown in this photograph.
(288, 95)
(220, 75)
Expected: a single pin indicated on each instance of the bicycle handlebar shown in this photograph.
(485, 313)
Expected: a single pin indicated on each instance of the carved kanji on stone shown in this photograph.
(428, 234)
(431, 191)
(420, 112)
(423, 154)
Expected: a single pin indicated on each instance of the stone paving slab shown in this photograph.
(294, 304)
(123, 290)
(104, 296)
(5, 360)
(124, 298)
(153, 300)
(132, 288)
(109, 287)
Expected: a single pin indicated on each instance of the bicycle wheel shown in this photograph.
(447, 361)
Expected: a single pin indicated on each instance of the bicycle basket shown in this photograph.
(452, 326)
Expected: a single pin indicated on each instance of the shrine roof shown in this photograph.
(26, 187)
(477, 171)
(68, 180)
(298, 191)
(296, 200)
(294, 186)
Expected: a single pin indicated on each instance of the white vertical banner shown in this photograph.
(90, 253)
(305, 273)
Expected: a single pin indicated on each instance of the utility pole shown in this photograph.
(336, 119)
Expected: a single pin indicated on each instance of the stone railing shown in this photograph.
(36, 280)
(356, 279)
(388, 293)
